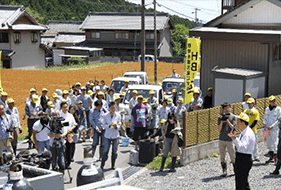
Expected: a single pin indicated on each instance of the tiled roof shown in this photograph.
(62, 26)
(70, 38)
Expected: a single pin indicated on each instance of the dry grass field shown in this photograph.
(18, 82)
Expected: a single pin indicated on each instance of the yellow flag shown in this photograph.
(192, 66)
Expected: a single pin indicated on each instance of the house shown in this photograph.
(119, 34)
(20, 39)
(246, 36)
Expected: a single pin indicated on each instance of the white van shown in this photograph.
(148, 58)
(137, 74)
(119, 82)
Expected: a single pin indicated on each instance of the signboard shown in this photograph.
(192, 66)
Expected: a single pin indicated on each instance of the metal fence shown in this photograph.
(201, 126)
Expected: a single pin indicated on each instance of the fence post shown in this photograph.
(184, 128)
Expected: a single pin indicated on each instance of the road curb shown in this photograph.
(126, 181)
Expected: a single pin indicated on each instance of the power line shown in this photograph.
(211, 10)
(160, 5)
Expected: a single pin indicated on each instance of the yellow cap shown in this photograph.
(55, 95)
(144, 100)
(170, 100)
(32, 90)
(63, 100)
(210, 88)
(65, 92)
(151, 92)
(78, 84)
(92, 84)
(123, 94)
(116, 98)
(247, 94)
(35, 98)
(10, 100)
(182, 88)
(4, 94)
(50, 103)
(244, 117)
(44, 89)
(196, 91)
(126, 80)
(135, 92)
(250, 101)
(271, 98)
(175, 90)
(140, 97)
(180, 100)
(90, 93)
(163, 121)
(101, 93)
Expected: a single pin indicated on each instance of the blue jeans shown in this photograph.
(132, 124)
(98, 136)
(42, 145)
(107, 143)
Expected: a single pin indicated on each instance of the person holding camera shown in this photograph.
(112, 123)
(226, 125)
(14, 113)
(96, 119)
(6, 131)
(40, 134)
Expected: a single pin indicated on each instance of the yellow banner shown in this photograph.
(192, 66)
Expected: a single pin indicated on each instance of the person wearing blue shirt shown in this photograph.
(96, 119)
(112, 123)
(82, 124)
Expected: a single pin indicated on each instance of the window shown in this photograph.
(122, 35)
(149, 36)
(34, 37)
(4, 37)
(17, 37)
(95, 35)
(6, 64)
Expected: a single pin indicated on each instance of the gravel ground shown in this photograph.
(205, 174)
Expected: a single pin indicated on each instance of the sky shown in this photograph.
(209, 9)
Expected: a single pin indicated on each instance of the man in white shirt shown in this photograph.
(112, 123)
(132, 103)
(175, 75)
(40, 134)
(245, 146)
(3, 99)
(244, 104)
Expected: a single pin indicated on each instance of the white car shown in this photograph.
(148, 58)
(119, 82)
(144, 91)
(135, 74)
(168, 84)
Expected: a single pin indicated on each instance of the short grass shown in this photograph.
(156, 163)
(24, 133)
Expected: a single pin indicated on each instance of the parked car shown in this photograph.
(119, 82)
(142, 75)
(148, 58)
(168, 84)
(144, 91)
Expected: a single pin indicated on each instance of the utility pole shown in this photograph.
(155, 44)
(143, 36)
(195, 12)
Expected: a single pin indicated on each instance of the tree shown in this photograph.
(179, 37)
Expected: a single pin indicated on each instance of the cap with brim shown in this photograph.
(180, 100)
(83, 88)
(116, 98)
(4, 94)
(140, 97)
(196, 92)
(170, 100)
(92, 84)
(32, 90)
(97, 87)
(163, 121)
(88, 83)
(122, 93)
(10, 100)
(210, 88)
(135, 92)
(151, 92)
(90, 93)
(174, 91)
(101, 93)
(126, 80)
(65, 92)
(45, 89)
(55, 95)
(250, 101)
(50, 103)
(247, 94)
(144, 100)
(35, 98)
(244, 117)
(272, 98)
(79, 102)
(78, 84)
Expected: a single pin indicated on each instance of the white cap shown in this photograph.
(97, 87)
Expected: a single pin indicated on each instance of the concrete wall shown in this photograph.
(28, 54)
(199, 152)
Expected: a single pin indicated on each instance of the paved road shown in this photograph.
(122, 160)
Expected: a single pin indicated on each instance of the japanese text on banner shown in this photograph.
(192, 66)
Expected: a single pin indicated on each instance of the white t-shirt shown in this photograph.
(42, 135)
(68, 117)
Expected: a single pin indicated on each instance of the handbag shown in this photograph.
(180, 142)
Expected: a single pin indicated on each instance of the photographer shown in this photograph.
(40, 134)
(226, 124)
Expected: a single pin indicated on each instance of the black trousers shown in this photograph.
(279, 149)
(69, 152)
(243, 165)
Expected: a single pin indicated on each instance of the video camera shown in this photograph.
(224, 116)
(56, 125)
